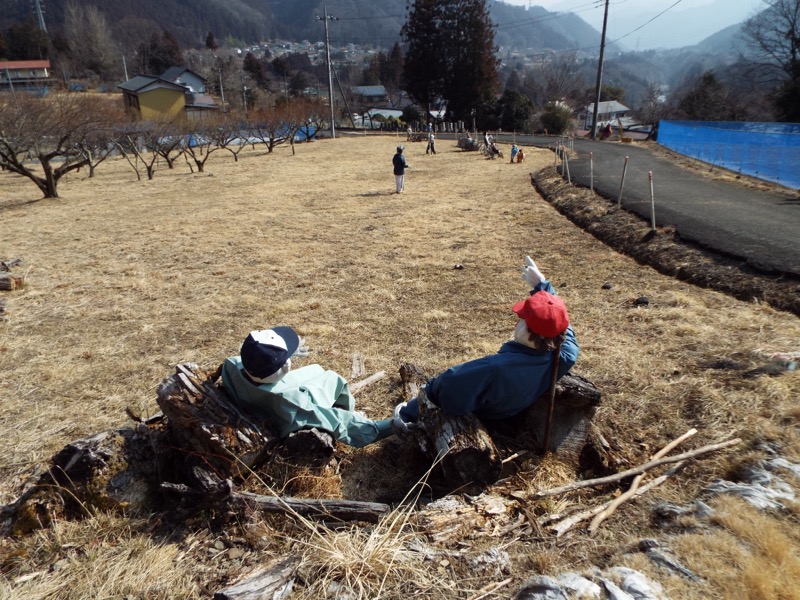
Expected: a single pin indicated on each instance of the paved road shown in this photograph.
(762, 228)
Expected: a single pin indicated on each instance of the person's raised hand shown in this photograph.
(531, 273)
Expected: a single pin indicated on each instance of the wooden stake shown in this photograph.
(551, 400)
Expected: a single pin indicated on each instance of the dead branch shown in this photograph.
(578, 485)
(358, 385)
(568, 523)
(636, 482)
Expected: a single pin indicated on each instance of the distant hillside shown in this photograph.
(540, 29)
(726, 41)
(366, 22)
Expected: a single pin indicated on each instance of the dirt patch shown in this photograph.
(664, 250)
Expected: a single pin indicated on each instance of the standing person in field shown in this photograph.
(514, 150)
(400, 166)
(502, 385)
(431, 149)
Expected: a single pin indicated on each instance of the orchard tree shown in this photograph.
(54, 131)
(451, 54)
(773, 37)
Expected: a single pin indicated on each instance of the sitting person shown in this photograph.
(261, 382)
(520, 156)
(502, 385)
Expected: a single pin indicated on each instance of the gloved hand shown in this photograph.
(531, 273)
(302, 350)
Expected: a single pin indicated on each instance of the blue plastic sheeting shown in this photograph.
(769, 151)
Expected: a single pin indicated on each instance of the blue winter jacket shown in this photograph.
(504, 384)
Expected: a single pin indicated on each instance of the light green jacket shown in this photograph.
(305, 397)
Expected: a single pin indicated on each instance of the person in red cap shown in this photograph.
(504, 384)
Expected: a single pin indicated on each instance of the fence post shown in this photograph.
(591, 172)
(652, 203)
(566, 166)
(622, 182)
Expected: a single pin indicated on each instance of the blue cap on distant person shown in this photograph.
(401, 148)
(264, 351)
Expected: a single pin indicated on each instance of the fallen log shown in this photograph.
(273, 581)
(342, 510)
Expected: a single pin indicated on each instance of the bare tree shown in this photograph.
(270, 127)
(52, 131)
(557, 77)
(773, 38)
(229, 133)
(91, 45)
(200, 143)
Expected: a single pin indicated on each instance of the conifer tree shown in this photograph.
(451, 54)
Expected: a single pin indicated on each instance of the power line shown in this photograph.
(650, 21)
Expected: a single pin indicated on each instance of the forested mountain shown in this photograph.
(366, 22)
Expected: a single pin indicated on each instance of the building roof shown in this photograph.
(173, 73)
(610, 106)
(24, 64)
(140, 82)
(369, 90)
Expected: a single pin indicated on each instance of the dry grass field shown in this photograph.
(126, 278)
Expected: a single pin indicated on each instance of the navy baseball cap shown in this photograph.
(264, 351)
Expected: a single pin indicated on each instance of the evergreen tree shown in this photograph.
(392, 75)
(451, 54)
(161, 53)
(211, 41)
(26, 41)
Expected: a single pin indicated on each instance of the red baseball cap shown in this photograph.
(544, 314)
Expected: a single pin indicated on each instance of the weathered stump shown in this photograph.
(115, 469)
(463, 447)
(575, 405)
(205, 424)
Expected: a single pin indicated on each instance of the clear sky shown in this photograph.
(684, 23)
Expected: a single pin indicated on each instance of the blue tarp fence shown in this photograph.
(769, 151)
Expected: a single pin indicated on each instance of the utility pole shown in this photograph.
(325, 18)
(40, 14)
(599, 74)
(125, 66)
(244, 92)
(221, 90)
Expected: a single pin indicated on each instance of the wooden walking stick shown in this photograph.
(551, 400)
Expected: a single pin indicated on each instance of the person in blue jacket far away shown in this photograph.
(504, 384)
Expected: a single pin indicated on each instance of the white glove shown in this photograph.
(302, 350)
(531, 273)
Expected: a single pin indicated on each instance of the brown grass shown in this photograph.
(127, 278)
